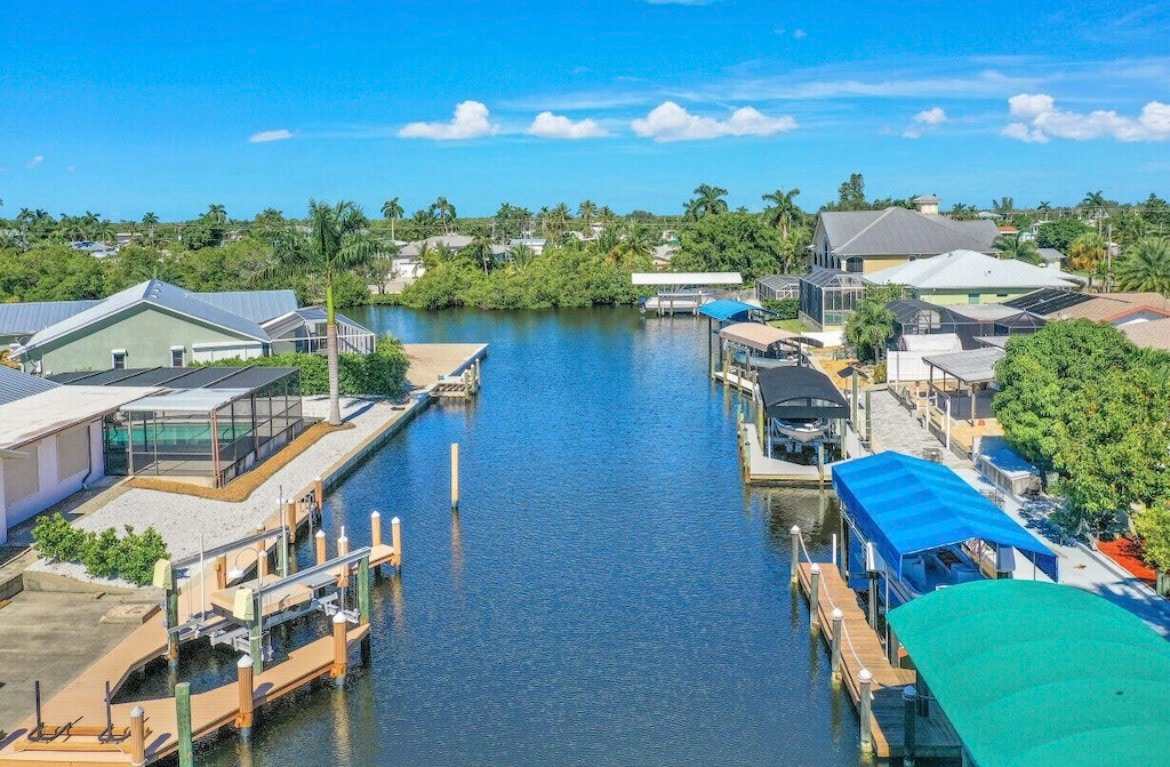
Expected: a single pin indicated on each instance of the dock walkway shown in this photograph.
(861, 648)
(760, 469)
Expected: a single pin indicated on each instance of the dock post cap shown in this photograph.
(342, 532)
(375, 513)
(815, 568)
(396, 521)
(837, 614)
(245, 661)
(795, 530)
(317, 478)
(338, 617)
(865, 676)
(137, 712)
(320, 534)
(909, 693)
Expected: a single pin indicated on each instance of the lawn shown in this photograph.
(796, 326)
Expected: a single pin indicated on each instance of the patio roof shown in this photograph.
(973, 366)
(667, 279)
(755, 335)
(1041, 675)
(200, 401)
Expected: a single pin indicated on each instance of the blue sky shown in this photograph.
(139, 106)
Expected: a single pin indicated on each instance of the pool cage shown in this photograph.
(829, 296)
(219, 431)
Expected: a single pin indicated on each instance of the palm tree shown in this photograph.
(869, 327)
(392, 210)
(480, 249)
(783, 210)
(588, 211)
(1094, 200)
(1017, 248)
(150, 221)
(1146, 267)
(424, 221)
(708, 200)
(444, 213)
(217, 213)
(559, 217)
(1044, 207)
(338, 240)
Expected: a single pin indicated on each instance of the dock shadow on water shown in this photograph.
(609, 593)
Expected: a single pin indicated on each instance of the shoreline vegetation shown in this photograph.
(582, 259)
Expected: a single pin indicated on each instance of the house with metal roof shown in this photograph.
(867, 241)
(970, 277)
(1118, 309)
(16, 385)
(157, 323)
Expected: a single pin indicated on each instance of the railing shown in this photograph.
(347, 343)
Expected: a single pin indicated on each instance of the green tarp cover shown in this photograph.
(1036, 674)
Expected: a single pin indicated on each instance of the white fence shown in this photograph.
(907, 366)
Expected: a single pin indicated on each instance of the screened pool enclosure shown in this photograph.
(213, 423)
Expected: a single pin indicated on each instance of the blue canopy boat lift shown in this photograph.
(910, 526)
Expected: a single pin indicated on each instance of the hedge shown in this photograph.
(104, 555)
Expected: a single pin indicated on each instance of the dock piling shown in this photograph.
(342, 550)
(221, 571)
(795, 531)
(247, 693)
(319, 496)
(865, 709)
(910, 701)
(137, 737)
(454, 476)
(838, 628)
(339, 649)
(183, 720)
(396, 540)
(814, 596)
(872, 598)
(375, 529)
(321, 555)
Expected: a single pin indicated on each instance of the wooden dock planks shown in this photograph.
(934, 734)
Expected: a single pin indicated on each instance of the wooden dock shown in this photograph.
(78, 713)
(759, 469)
(862, 648)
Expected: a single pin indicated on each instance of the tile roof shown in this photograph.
(969, 270)
(1152, 334)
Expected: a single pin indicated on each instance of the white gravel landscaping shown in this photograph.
(181, 519)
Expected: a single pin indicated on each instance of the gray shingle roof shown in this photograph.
(898, 232)
(28, 318)
(156, 293)
(255, 305)
(15, 385)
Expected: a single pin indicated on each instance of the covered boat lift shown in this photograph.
(791, 396)
(899, 511)
(1039, 674)
(682, 292)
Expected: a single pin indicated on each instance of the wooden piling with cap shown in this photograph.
(340, 651)
(137, 737)
(396, 540)
(454, 476)
(247, 697)
(321, 555)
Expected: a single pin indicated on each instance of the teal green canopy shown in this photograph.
(1040, 675)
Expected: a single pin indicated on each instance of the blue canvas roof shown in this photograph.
(729, 309)
(906, 505)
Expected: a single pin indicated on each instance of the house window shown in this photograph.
(974, 298)
(119, 359)
(177, 357)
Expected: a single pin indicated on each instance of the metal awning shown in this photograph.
(755, 335)
(665, 279)
(730, 309)
(186, 401)
(974, 366)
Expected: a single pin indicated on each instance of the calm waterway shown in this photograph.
(609, 593)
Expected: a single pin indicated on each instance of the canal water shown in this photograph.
(609, 592)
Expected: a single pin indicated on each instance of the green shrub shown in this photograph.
(104, 555)
(785, 308)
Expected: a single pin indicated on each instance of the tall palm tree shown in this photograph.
(869, 327)
(1146, 267)
(559, 217)
(217, 213)
(783, 210)
(424, 221)
(1017, 248)
(1094, 200)
(150, 221)
(588, 211)
(708, 200)
(391, 209)
(338, 240)
(443, 212)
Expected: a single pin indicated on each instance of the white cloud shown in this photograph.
(470, 121)
(800, 34)
(549, 125)
(670, 122)
(34, 161)
(925, 121)
(270, 135)
(1036, 119)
